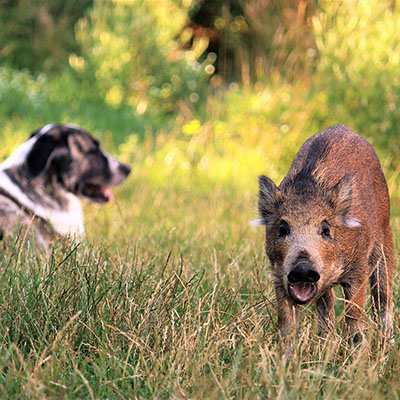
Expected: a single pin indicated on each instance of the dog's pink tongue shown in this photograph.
(107, 193)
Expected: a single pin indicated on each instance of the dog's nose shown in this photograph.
(125, 169)
(303, 272)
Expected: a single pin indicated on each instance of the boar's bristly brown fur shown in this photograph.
(328, 223)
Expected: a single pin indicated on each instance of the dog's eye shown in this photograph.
(325, 230)
(283, 229)
(93, 150)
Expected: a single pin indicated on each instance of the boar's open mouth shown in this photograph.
(302, 292)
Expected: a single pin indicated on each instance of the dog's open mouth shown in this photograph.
(97, 193)
(302, 292)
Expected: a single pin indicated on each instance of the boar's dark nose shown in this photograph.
(303, 272)
(125, 169)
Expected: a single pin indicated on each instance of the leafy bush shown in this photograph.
(39, 35)
(245, 134)
(359, 46)
(27, 103)
(130, 48)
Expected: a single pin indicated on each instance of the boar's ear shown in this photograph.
(267, 197)
(342, 199)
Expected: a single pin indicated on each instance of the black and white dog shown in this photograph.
(42, 182)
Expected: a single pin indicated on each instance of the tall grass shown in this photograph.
(169, 298)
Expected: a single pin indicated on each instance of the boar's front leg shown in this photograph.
(355, 294)
(286, 313)
(326, 312)
(381, 264)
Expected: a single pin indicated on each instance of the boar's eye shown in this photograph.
(325, 230)
(283, 229)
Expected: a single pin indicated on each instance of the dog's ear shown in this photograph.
(34, 133)
(47, 148)
(61, 160)
(44, 129)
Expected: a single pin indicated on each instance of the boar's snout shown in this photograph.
(302, 280)
(303, 272)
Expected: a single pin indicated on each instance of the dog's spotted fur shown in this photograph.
(42, 182)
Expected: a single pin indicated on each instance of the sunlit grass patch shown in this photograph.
(171, 297)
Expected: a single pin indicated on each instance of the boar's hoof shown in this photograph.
(357, 338)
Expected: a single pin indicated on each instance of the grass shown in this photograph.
(169, 298)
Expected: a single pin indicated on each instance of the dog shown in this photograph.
(43, 181)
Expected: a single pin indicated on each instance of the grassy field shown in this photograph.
(169, 298)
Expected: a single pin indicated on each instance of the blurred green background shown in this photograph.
(201, 96)
(216, 90)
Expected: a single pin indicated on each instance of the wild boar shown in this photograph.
(328, 223)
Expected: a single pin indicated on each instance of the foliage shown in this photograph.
(244, 134)
(253, 39)
(359, 47)
(27, 103)
(131, 49)
(39, 35)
